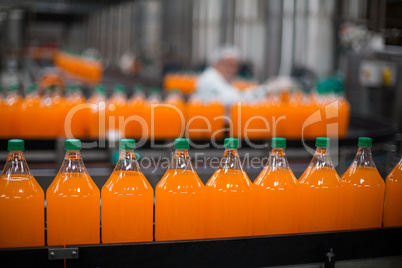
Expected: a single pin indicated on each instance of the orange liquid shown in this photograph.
(228, 204)
(11, 122)
(179, 206)
(319, 200)
(79, 120)
(167, 119)
(47, 118)
(205, 120)
(73, 210)
(250, 120)
(362, 198)
(97, 117)
(116, 113)
(22, 212)
(127, 208)
(137, 120)
(29, 116)
(393, 197)
(274, 202)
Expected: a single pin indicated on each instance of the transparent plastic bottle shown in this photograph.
(274, 194)
(138, 114)
(179, 199)
(127, 201)
(319, 191)
(228, 197)
(393, 197)
(97, 118)
(22, 210)
(11, 122)
(73, 211)
(362, 191)
(117, 110)
(79, 120)
(30, 113)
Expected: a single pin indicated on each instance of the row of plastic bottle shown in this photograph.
(81, 67)
(229, 205)
(186, 82)
(54, 115)
(292, 115)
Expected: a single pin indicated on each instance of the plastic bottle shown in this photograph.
(363, 191)
(11, 123)
(97, 123)
(156, 115)
(22, 211)
(73, 212)
(173, 115)
(47, 115)
(127, 201)
(393, 197)
(274, 194)
(79, 120)
(59, 110)
(319, 192)
(30, 113)
(137, 116)
(228, 197)
(179, 199)
(116, 111)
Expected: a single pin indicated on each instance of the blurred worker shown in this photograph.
(215, 81)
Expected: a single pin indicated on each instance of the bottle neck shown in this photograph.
(72, 163)
(321, 158)
(16, 164)
(181, 160)
(364, 157)
(277, 159)
(230, 160)
(127, 161)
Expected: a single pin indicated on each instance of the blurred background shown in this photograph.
(163, 46)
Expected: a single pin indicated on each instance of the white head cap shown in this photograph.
(223, 52)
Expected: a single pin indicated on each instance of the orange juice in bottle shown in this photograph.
(274, 194)
(127, 201)
(228, 197)
(73, 212)
(137, 119)
(30, 113)
(11, 123)
(154, 112)
(362, 191)
(59, 110)
(319, 193)
(78, 116)
(97, 117)
(22, 210)
(393, 197)
(116, 110)
(179, 199)
(174, 115)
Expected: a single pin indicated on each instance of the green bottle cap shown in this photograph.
(365, 142)
(231, 143)
(322, 142)
(119, 88)
(138, 88)
(16, 145)
(127, 144)
(181, 144)
(13, 87)
(100, 89)
(70, 88)
(32, 88)
(278, 143)
(72, 145)
(155, 90)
